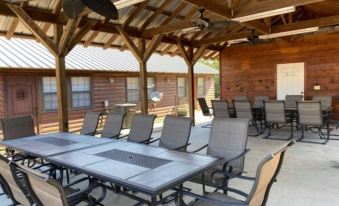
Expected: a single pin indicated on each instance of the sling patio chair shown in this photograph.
(241, 98)
(267, 172)
(141, 128)
(175, 133)
(275, 114)
(326, 101)
(220, 108)
(113, 125)
(311, 118)
(18, 127)
(205, 110)
(291, 100)
(90, 125)
(44, 190)
(259, 101)
(243, 109)
(10, 185)
(228, 140)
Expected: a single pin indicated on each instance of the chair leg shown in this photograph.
(203, 184)
(269, 130)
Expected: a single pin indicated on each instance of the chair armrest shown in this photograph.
(122, 137)
(150, 142)
(179, 148)
(147, 141)
(201, 148)
(234, 159)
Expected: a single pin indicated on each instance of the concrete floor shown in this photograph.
(309, 176)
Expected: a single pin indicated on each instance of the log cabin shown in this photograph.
(94, 75)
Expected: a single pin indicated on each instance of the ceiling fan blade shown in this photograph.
(222, 24)
(73, 8)
(191, 30)
(103, 7)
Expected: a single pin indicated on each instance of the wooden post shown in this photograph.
(143, 88)
(191, 95)
(61, 81)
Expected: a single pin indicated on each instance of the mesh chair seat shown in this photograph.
(291, 100)
(204, 107)
(176, 132)
(90, 124)
(141, 128)
(326, 101)
(220, 108)
(16, 127)
(113, 125)
(221, 197)
(240, 98)
(259, 101)
(243, 109)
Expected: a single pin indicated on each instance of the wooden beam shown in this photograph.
(183, 52)
(152, 46)
(57, 30)
(80, 34)
(109, 42)
(265, 6)
(60, 73)
(169, 28)
(12, 28)
(198, 54)
(135, 13)
(154, 15)
(91, 38)
(33, 28)
(191, 95)
(67, 35)
(130, 44)
(222, 38)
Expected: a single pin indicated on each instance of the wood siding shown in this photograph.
(251, 70)
(102, 89)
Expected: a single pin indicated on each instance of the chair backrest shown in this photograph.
(228, 139)
(267, 171)
(326, 101)
(176, 132)
(141, 128)
(220, 108)
(309, 113)
(113, 125)
(291, 100)
(243, 109)
(259, 100)
(204, 107)
(16, 127)
(90, 125)
(240, 98)
(14, 189)
(275, 111)
(42, 189)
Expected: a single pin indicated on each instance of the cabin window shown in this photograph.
(201, 86)
(81, 92)
(49, 88)
(181, 87)
(133, 89)
(150, 86)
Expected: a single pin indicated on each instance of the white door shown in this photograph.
(290, 79)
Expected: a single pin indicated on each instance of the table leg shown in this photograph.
(179, 200)
(154, 201)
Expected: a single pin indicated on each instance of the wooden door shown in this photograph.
(290, 79)
(21, 97)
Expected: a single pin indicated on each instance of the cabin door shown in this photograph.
(21, 97)
(290, 79)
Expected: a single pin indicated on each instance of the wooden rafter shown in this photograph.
(12, 27)
(135, 13)
(109, 42)
(33, 28)
(130, 44)
(155, 14)
(67, 35)
(80, 34)
(57, 4)
(91, 38)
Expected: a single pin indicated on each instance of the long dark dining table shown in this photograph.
(143, 168)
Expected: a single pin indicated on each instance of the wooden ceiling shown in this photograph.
(168, 18)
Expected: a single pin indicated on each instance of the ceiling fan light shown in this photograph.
(289, 33)
(265, 14)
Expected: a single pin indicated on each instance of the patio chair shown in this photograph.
(141, 128)
(205, 110)
(291, 100)
(326, 101)
(228, 140)
(175, 133)
(240, 98)
(11, 187)
(267, 172)
(113, 125)
(17, 127)
(311, 118)
(243, 109)
(47, 191)
(220, 108)
(275, 114)
(259, 101)
(90, 125)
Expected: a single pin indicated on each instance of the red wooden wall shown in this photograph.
(251, 70)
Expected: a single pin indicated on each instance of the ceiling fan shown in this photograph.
(106, 8)
(251, 40)
(205, 24)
